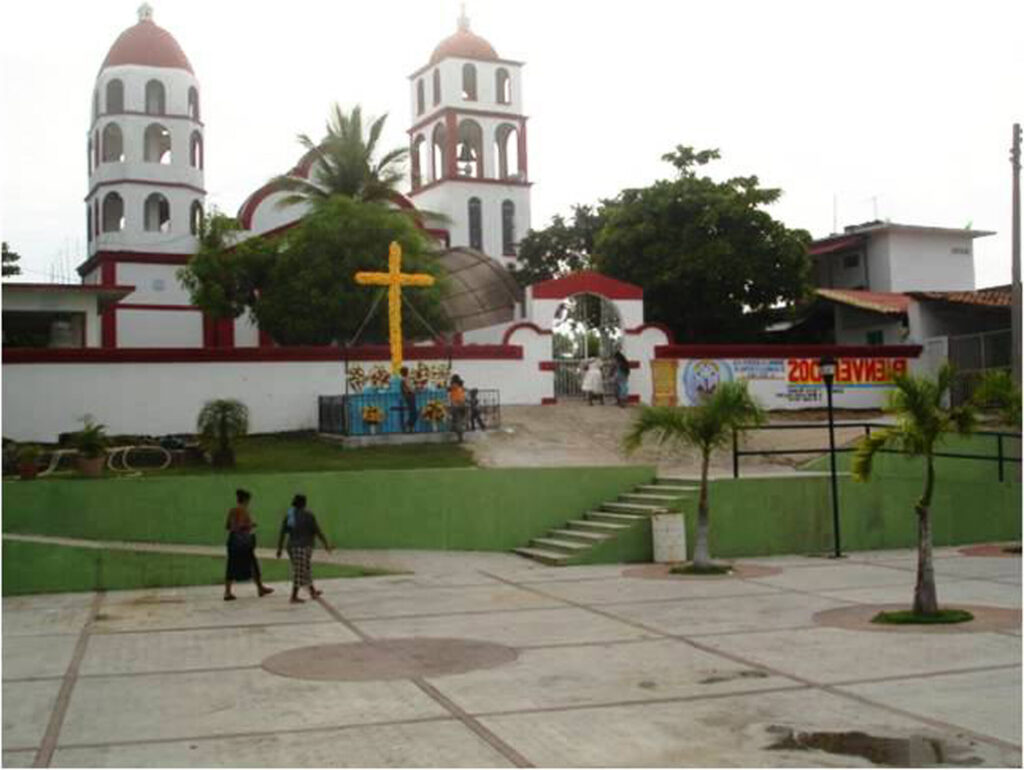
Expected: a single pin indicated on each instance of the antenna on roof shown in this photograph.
(145, 12)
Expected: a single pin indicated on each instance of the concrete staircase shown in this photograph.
(566, 544)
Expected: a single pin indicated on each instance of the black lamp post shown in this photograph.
(828, 374)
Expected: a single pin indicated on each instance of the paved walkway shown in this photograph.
(610, 670)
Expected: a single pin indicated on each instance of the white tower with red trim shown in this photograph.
(468, 144)
(145, 200)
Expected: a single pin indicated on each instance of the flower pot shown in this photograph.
(373, 427)
(91, 466)
(27, 471)
(668, 531)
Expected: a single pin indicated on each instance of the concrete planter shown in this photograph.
(91, 466)
(668, 530)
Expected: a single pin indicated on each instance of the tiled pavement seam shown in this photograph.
(60, 708)
(828, 688)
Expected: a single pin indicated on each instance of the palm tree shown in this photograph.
(219, 422)
(998, 393)
(922, 421)
(344, 163)
(705, 427)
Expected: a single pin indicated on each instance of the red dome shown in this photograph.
(148, 45)
(464, 45)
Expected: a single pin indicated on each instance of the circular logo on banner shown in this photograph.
(701, 377)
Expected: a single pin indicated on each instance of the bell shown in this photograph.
(466, 154)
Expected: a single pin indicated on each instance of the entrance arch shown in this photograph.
(585, 326)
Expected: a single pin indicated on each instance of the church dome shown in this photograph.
(479, 292)
(464, 44)
(147, 45)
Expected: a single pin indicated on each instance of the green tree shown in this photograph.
(712, 261)
(220, 422)
(922, 422)
(998, 394)
(299, 285)
(345, 163)
(9, 260)
(705, 427)
(561, 247)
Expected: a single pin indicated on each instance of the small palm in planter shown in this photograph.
(27, 455)
(219, 423)
(91, 443)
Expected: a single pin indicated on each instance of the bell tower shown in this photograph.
(468, 144)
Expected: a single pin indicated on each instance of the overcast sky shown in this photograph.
(900, 108)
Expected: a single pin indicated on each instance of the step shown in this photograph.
(642, 497)
(581, 534)
(557, 544)
(638, 508)
(675, 481)
(628, 519)
(661, 489)
(545, 557)
(598, 526)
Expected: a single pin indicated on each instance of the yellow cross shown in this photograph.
(395, 279)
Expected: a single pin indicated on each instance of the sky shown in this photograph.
(856, 109)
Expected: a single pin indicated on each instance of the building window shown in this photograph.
(469, 82)
(421, 99)
(113, 213)
(88, 223)
(195, 218)
(503, 86)
(476, 226)
(419, 161)
(437, 87)
(157, 214)
(851, 261)
(438, 153)
(195, 150)
(193, 103)
(115, 97)
(95, 104)
(113, 144)
(506, 149)
(156, 98)
(96, 218)
(876, 337)
(508, 228)
(469, 150)
(157, 144)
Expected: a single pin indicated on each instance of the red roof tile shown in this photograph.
(874, 301)
(148, 45)
(995, 296)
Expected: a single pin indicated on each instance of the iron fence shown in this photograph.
(1001, 455)
(388, 412)
(972, 355)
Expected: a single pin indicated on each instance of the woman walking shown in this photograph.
(242, 564)
(301, 527)
(621, 379)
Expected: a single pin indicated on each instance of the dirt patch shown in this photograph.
(1001, 550)
(858, 618)
(663, 572)
(915, 751)
(729, 676)
(388, 659)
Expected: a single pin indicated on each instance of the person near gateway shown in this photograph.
(302, 529)
(242, 563)
(408, 400)
(593, 382)
(621, 378)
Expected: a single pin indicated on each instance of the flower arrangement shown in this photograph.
(380, 377)
(439, 375)
(357, 378)
(372, 415)
(434, 412)
(421, 376)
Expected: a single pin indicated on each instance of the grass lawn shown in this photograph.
(35, 568)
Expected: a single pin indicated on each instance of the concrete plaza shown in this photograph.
(608, 670)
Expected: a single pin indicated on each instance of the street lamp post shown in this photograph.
(828, 374)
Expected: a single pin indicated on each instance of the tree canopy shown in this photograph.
(10, 259)
(298, 285)
(713, 263)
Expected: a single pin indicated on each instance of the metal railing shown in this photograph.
(387, 412)
(1001, 457)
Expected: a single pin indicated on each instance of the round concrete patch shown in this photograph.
(858, 618)
(388, 659)
(663, 572)
(1001, 550)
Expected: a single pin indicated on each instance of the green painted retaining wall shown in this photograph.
(444, 509)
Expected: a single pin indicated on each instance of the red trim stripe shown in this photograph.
(787, 351)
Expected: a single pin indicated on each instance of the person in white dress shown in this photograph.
(593, 382)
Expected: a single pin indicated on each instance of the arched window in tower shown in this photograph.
(156, 98)
(419, 160)
(438, 153)
(437, 87)
(506, 148)
(470, 149)
(95, 104)
(508, 228)
(88, 155)
(195, 150)
(113, 213)
(95, 148)
(193, 103)
(469, 82)
(96, 217)
(421, 98)
(195, 218)
(88, 223)
(113, 144)
(476, 225)
(502, 86)
(157, 145)
(156, 215)
(115, 97)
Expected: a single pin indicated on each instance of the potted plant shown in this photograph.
(220, 422)
(27, 454)
(91, 443)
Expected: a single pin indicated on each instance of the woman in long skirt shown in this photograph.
(301, 527)
(242, 564)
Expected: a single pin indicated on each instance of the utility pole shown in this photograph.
(1015, 251)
